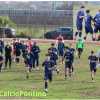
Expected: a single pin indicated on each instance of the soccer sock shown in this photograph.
(46, 85)
(76, 34)
(80, 34)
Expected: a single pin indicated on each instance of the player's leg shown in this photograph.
(33, 62)
(6, 61)
(46, 83)
(95, 31)
(79, 53)
(70, 69)
(37, 63)
(27, 71)
(86, 32)
(80, 30)
(50, 77)
(66, 70)
(10, 61)
(46, 86)
(0, 67)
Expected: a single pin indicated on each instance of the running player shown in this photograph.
(68, 62)
(92, 62)
(54, 58)
(48, 71)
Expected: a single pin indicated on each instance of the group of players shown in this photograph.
(90, 21)
(57, 53)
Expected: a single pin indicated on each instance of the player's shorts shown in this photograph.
(48, 76)
(28, 64)
(18, 53)
(88, 29)
(93, 67)
(96, 29)
(80, 50)
(79, 27)
(61, 53)
(68, 65)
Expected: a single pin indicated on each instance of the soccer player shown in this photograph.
(79, 47)
(60, 48)
(8, 55)
(54, 58)
(1, 61)
(92, 62)
(68, 62)
(79, 21)
(17, 50)
(35, 52)
(28, 62)
(29, 44)
(88, 24)
(72, 50)
(48, 71)
(97, 23)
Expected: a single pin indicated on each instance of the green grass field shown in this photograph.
(80, 87)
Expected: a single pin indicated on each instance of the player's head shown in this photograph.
(87, 11)
(52, 44)
(92, 52)
(29, 38)
(66, 48)
(82, 7)
(35, 43)
(49, 50)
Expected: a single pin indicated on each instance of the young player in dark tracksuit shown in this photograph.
(68, 62)
(92, 62)
(60, 48)
(35, 52)
(79, 21)
(88, 24)
(53, 48)
(48, 71)
(72, 50)
(17, 51)
(53, 57)
(8, 55)
(1, 61)
(28, 62)
(1, 46)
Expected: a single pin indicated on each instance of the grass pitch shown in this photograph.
(80, 87)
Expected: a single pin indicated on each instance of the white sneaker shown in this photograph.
(46, 90)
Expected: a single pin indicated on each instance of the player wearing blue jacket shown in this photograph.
(79, 21)
(48, 71)
(68, 62)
